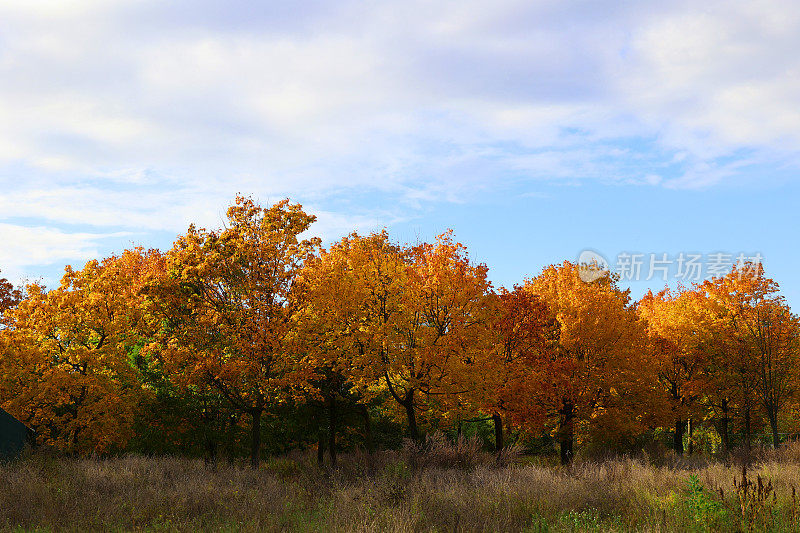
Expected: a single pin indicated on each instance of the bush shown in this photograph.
(438, 451)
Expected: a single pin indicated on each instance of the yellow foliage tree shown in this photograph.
(10, 296)
(352, 299)
(412, 321)
(762, 337)
(228, 308)
(678, 349)
(68, 373)
(523, 346)
(598, 378)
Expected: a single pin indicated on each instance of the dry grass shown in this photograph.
(429, 489)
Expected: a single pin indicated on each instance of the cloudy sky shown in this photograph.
(534, 129)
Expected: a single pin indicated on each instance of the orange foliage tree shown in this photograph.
(414, 322)
(678, 353)
(229, 312)
(69, 374)
(448, 336)
(761, 335)
(352, 299)
(597, 379)
(524, 343)
(10, 296)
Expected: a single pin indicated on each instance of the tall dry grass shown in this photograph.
(420, 488)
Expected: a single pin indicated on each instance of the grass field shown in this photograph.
(441, 489)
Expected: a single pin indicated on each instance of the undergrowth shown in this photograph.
(435, 486)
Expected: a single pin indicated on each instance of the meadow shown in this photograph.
(438, 487)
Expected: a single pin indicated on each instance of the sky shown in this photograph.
(647, 132)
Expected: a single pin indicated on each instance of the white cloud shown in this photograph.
(720, 76)
(25, 246)
(144, 116)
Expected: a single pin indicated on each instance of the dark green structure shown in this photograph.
(14, 435)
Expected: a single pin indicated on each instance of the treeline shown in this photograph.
(252, 337)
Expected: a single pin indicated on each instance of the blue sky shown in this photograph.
(534, 129)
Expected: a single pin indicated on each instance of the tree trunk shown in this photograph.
(211, 453)
(773, 424)
(408, 403)
(255, 442)
(332, 428)
(726, 442)
(748, 434)
(691, 432)
(498, 432)
(320, 446)
(207, 417)
(367, 429)
(566, 432)
(677, 442)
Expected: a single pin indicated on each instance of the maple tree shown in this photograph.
(444, 349)
(727, 365)
(599, 356)
(525, 337)
(69, 374)
(359, 295)
(229, 309)
(761, 336)
(10, 296)
(351, 297)
(677, 351)
(412, 320)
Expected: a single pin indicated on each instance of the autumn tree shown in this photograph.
(229, 310)
(445, 348)
(352, 298)
(524, 342)
(70, 375)
(10, 296)
(598, 374)
(676, 346)
(727, 364)
(413, 321)
(357, 295)
(761, 335)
